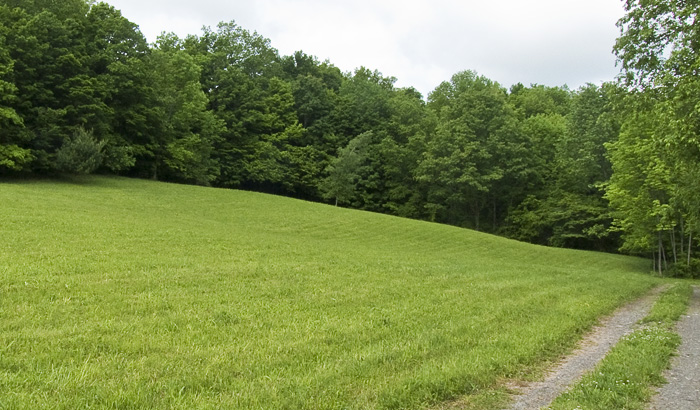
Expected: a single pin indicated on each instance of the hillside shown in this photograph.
(120, 293)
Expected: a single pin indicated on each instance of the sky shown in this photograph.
(420, 42)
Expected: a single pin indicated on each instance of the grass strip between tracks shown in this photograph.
(626, 377)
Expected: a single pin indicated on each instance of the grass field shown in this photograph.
(129, 294)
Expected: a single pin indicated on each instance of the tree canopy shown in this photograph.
(609, 167)
(656, 161)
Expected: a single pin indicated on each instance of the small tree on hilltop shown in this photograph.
(80, 154)
(345, 171)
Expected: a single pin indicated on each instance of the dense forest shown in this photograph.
(606, 167)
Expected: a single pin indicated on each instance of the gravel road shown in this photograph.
(592, 349)
(683, 389)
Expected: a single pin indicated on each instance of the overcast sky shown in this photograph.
(420, 42)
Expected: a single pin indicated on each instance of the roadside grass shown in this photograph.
(625, 378)
(131, 294)
(671, 305)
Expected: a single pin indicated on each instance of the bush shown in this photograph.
(685, 270)
(118, 157)
(14, 158)
(81, 154)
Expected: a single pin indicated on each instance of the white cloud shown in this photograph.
(420, 42)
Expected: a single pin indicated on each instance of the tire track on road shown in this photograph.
(682, 392)
(591, 350)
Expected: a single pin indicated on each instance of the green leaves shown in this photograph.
(656, 37)
(73, 65)
(183, 145)
(223, 108)
(655, 182)
(14, 158)
(345, 171)
(81, 154)
(469, 152)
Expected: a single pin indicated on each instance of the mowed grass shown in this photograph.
(130, 294)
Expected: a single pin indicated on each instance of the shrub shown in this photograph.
(118, 157)
(81, 154)
(14, 158)
(685, 270)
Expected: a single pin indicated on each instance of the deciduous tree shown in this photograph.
(659, 49)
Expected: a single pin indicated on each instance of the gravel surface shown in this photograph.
(683, 389)
(591, 350)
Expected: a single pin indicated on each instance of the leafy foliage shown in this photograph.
(654, 189)
(81, 154)
(542, 164)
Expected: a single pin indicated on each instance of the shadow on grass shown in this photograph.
(92, 180)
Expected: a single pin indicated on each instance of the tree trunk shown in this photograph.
(476, 211)
(155, 168)
(690, 245)
(673, 244)
(660, 246)
(494, 214)
(682, 235)
(663, 252)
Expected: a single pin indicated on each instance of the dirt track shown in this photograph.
(683, 389)
(592, 349)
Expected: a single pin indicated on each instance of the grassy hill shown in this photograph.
(130, 294)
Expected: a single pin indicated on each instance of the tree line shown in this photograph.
(605, 167)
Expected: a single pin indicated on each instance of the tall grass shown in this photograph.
(118, 293)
